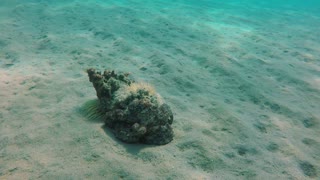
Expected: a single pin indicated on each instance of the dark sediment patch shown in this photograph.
(308, 169)
(199, 157)
(245, 150)
(309, 122)
(273, 147)
(261, 127)
(309, 142)
(3, 43)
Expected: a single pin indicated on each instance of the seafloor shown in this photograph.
(242, 78)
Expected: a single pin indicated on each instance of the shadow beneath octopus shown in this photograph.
(133, 148)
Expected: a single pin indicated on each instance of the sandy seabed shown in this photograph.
(243, 81)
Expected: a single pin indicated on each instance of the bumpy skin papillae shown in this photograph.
(106, 84)
(137, 118)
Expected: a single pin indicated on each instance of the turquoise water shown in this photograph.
(242, 78)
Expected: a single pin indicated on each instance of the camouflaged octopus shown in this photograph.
(133, 111)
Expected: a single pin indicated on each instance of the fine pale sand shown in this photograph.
(243, 81)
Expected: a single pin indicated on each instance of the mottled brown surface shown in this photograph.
(139, 117)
